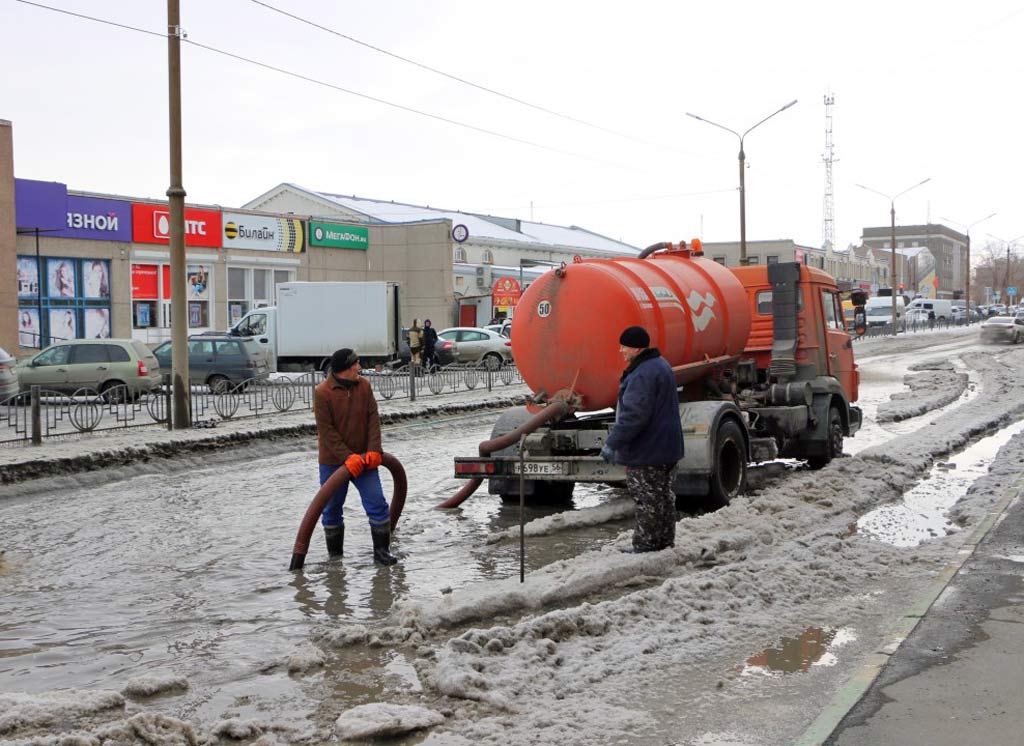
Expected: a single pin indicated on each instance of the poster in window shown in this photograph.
(96, 278)
(235, 311)
(28, 277)
(28, 327)
(63, 324)
(142, 315)
(198, 281)
(60, 278)
(195, 314)
(97, 323)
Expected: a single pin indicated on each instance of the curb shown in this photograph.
(851, 693)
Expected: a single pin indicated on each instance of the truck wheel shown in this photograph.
(729, 477)
(833, 443)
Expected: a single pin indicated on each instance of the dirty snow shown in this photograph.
(600, 647)
(383, 720)
(150, 685)
(20, 711)
(936, 384)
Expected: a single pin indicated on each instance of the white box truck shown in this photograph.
(313, 319)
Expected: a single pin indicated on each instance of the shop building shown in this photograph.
(94, 265)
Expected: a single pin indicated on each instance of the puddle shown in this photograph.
(813, 647)
(922, 514)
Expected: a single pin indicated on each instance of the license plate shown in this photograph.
(534, 468)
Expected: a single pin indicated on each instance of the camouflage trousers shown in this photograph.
(651, 490)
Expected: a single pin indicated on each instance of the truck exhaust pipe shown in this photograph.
(316, 507)
(784, 279)
(556, 410)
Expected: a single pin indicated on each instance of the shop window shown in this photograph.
(771, 259)
(253, 287)
(62, 298)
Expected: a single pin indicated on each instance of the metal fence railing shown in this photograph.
(34, 416)
(912, 327)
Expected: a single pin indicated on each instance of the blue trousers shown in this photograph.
(370, 491)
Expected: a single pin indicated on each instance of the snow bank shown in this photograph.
(939, 384)
(383, 720)
(613, 510)
(150, 685)
(20, 711)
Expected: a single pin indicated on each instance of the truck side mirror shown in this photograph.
(860, 320)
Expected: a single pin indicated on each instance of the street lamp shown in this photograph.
(892, 216)
(1006, 284)
(967, 284)
(743, 157)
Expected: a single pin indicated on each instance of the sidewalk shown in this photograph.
(958, 677)
(92, 451)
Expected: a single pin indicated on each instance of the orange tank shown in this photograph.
(567, 324)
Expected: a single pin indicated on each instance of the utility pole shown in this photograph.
(181, 402)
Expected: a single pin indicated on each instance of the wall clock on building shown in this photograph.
(460, 233)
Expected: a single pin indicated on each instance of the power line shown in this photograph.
(464, 81)
(316, 81)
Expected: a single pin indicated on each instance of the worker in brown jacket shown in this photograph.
(348, 431)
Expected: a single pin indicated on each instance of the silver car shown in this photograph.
(116, 368)
(1003, 329)
(8, 375)
(469, 344)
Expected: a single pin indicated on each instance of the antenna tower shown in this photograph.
(828, 228)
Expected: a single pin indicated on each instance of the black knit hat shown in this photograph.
(635, 336)
(343, 359)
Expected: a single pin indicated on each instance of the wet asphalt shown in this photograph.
(958, 677)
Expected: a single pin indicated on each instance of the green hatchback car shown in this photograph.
(116, 368)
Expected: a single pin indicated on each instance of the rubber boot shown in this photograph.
(335, 538)
(382, 545)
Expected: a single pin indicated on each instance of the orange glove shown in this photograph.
(355, 465)
(373, 459)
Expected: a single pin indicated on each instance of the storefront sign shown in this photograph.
(39, 204)
(506, 292)
(152, 224)
(262, 233)
(97, 219)
(335, 236)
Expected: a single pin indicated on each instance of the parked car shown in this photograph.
(221, 362)
(8, 375)
(467, 344)
(504, 328)
(1003, 329)
(116, 368)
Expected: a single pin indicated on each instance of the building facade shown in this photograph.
(95, 265)
(494, 258)
(947, 247)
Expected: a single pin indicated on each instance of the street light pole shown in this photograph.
(1006, 283)
(181, 417)
(967, 281)
(743, 180)
(892, 234)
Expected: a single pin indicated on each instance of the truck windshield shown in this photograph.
(252, 326)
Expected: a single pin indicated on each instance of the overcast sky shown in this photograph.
(922, 89)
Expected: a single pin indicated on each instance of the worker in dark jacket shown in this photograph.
(429, 344)
(348, 431)
(647, 439)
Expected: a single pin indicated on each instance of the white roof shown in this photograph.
(480, 226)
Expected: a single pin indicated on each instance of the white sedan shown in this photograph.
(469, 344)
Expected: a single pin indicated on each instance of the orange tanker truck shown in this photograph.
(760, 353)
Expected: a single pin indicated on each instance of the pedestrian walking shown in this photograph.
(348, 433)
(647, 438)
(429, 345)
(415, 342)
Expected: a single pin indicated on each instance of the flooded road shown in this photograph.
(186, 572)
